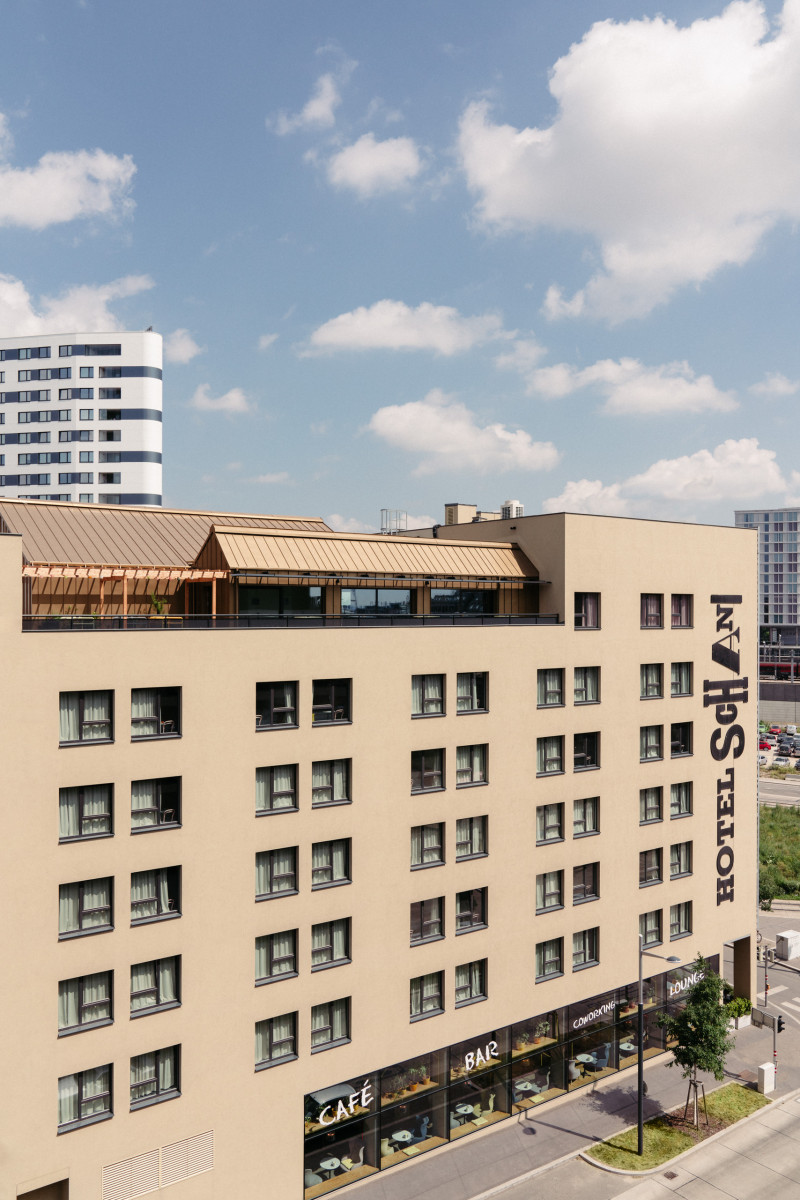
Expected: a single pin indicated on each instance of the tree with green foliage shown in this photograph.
(700, 1029)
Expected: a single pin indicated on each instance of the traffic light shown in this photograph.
(781, 1023)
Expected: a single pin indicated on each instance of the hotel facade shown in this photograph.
(324, 852)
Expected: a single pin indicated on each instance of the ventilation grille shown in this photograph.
(157, 1168)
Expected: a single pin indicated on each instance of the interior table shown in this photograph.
(329, 1165)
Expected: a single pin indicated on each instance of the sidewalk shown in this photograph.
(540, 1137)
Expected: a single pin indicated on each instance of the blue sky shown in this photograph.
(443, 250)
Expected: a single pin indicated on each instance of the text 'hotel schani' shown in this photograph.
(80, 417)
(322, 852)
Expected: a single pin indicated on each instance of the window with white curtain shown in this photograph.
(681, 679)
(472, 837)
(155, 894)
(276, 705)
(472, 909)
(155, 803)
(276, 1040)
(680, 859)
(427, 920)
(85, 717)
(471, 763)
(155, 712)
(426, 995)
(85, 812)
(472, 691)
(651, 742)
(585, 948)
(681, 610)
(650, 867)
(585, 816)
(586, 685)
(549, 890)
(276, 956)
(650, 804)
(650, 927)
(549, 755)
(155, 985)
(276, 872)
(330, 782)
(587, 610)
(330, 862)
(427, 845)
(652, 611)
(330, 943)
(85, 907)
(84, 1097)
(155, 1076)
(549, 959)
(276, 789)
(651, 685)
(550, 823)
(330, 1024)
(680, 800)
(427, 695)
(550, 687)
(84, 1001)
(585, 883)
(471, 982)
(680, 919)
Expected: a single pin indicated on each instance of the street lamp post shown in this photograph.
(640, 1089)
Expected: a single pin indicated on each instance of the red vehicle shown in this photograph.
(775, 729)
(762, 745)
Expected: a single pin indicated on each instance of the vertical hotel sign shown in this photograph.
(728, 739)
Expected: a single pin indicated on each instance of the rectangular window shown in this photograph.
(586, 685)
(330, 1024)
(651, 805)
(550, 823)
(549, 891)
(650, 867)
(276, 872)
(110, 414)
(155, 803)
(549, 755)
(680, 738)
(549, 959)
(106, 477)
(650, 742)
(680, 800)
(650, 928)
(472, 691)
(110, 393)
(426, 995)
(330, 943)
(471, 762)
(276, 705)
(85, 812)
(155, 712)
(330, 863)
(106, 435)
(472, 839)
(84, 1097)
(155, 985)
(471, 982)
(680, 859)
(85, 907)
(87, 372)
(586, 883)
(155, 895)
(276, 1040)
(427, 695)
(587, 610)
(550, 688)
(651, 680)
(680, 919)
(427, 845)
(471, 909)
(86, 414)
(427, 770)
(585, 948)
(427, 920)
(585, 817)
(586, 751)
(330, 701)
(681, 679)
(276, 789)
(85, 717)
(681, 611)
(330, 782)
(86, 456)
(85, 1002)
(155, 1076)
(652, 611)
(276, 956)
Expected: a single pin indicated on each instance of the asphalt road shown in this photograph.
(781, 793)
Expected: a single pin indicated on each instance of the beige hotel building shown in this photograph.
(322, 852)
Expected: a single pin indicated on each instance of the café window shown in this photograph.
(680, 800)
(680, 738)
(650, 805)
(276, 956)
(330, 701)
(155, 712)
(427, 695)
(586, 685)
(426, 995)
(427, 920)
(85, 812)
(471, 837)
(427, 770)
(471, 691)
(651, 684)
(276, 789)
(587, 610)
(585, 817)
(549, 755)
(549, 891)
(471, 764)
(549, 959)
(681, 679)
(85, 717)
(549, 823)
(652, 610)
(586, 751)
(650, 870)
(330, 782)
(550, 688)
(427, 845)
(650, 742)
(155, 803)
(681, 610)
(650, 928)
(585, 883)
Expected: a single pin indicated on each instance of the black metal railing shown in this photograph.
(70, 624)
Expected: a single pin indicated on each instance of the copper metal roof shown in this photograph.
(122, 535)
(319, 552)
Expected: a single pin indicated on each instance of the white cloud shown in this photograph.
(348, 524)
(275, 477)
(423, 522)
(266, 340)
(445, 433)
(589, 496)
(775, 384)
(370, 167)
(63, 186)
(82, 307)
(630, 387)
(674, 149)
(319, 111)
(180, 346)
(234, 401)
(392, 325)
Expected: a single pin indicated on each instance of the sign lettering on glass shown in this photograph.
(601, 1011)
(675, 989)
(479, 1058)
(342, 1110)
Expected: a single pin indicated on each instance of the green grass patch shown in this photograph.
(779, 853)
(668, 1135)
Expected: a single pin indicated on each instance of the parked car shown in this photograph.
(792, 730)
(762, 760)
(774, 729)
(786, 748)
(797, 766)
(764, 744)
(781, 761)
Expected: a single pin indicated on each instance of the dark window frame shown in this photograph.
(657, 928)
(588, 955)
(657, 743)
(273, 976)
(84, 1005)
(650, 813)
(677, 621)
(473, 996)
(685, 800)
(552, 896)
(426, 920)
(470, 771)
(684, 684)
(651, 690)
(586, 751)
(173, 882)
(580, 833)
(582, 687)
(546, 759)
(330, 763)
(84, 724)
(266, 706)
(584, 619)
(167, 799)
(681, 739)
(651, 610)
(479, 689)
(329, 866)
(586, 883)
(273, 793)
(273, 876)
(651, 867)
(331, 1041)
(549, 697)
(159, 1005)
(333, 697)
(427, 700)
(475, 823)
(84, 912)
(157, 1096)
(437, 846)
(682, 923)
(472, 910)
(327, 963)
(90, 817)
(273, 1059)
(548, 824)
(91, 1118)
(556, 959)
(437, 996)
(173, 694)
(681, 856)
(429, 770)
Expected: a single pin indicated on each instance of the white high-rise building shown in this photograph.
(80, 417)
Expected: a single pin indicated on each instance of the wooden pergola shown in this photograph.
(126, 574)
